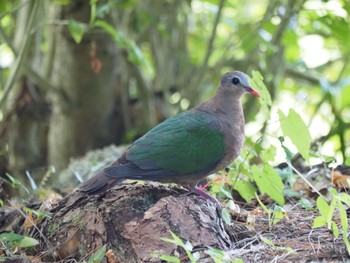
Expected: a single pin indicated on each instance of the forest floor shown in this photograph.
(259, 236)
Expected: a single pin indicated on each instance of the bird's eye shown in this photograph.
(235, 81)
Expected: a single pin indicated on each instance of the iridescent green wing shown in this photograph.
(189, 143)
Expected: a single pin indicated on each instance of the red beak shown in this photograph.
(253, 92)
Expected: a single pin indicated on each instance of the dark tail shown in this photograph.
(99, 184)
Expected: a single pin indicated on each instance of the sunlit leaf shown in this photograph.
(98, 255)
(344, 225)
(296, 130)
(269, 182)
(260, 87)
(226, 216)
(322, 206)
(319, 221)
(245, 189)
(16, 240)
(76, 30)
(335, 229)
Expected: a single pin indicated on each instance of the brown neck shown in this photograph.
(225, 104)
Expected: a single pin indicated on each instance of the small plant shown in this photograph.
(218, 256)
(327, 214)
(98, 255)
(274, 215)
(13, 241)
(193, 257)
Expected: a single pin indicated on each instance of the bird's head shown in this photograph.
(238, 83)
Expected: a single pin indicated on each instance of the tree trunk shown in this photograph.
(25, 130)
(131, 220)
(85, 78)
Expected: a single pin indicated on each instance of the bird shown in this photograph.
(186, 147)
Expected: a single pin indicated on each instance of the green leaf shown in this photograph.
(278, 214)
(169, 258)
(306, 203)
(135, 54)
(296, 130)
(344, 225)
(246, 190)
(269, 182)
(226, 193)
(218, 255)
(168, 240)
(177, 239)
(76, 30)
(319, 221)
(10, 237)
(322, 206)
(267, 241)
(332, 207)
(345, 198)
(259, 86)
(93, 11)
(226, 216)
(289, 154)
(98, 255)
(16, 240)
(335, 229)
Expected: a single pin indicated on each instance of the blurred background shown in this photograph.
(79, 75)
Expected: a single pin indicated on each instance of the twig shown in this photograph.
(195, 81)
(212, 38)
(305, 180)
(302, 76)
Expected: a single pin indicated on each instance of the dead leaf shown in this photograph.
(340, 180)
(111, 258)
(30, 221)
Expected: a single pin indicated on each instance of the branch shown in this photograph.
(39, 80)
(21, 54)
(212, 38)
(291, 72)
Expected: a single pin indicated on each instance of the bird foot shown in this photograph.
(205, 195)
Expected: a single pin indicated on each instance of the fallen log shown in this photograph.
(131, 220)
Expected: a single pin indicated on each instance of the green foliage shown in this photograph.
(13, 241)
(272, 245)
(40, 214)
(98, 255)
(218, 256)
(269, 182)
(14, 182)
(274, 215)
(77, 30)
(295, 129)
(259, 86)
(226, 216)
(245, 189)
(135, 55)
(192, 256)
(338, 202)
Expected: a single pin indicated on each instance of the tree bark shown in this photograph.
(131, 220)
(85, 76)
